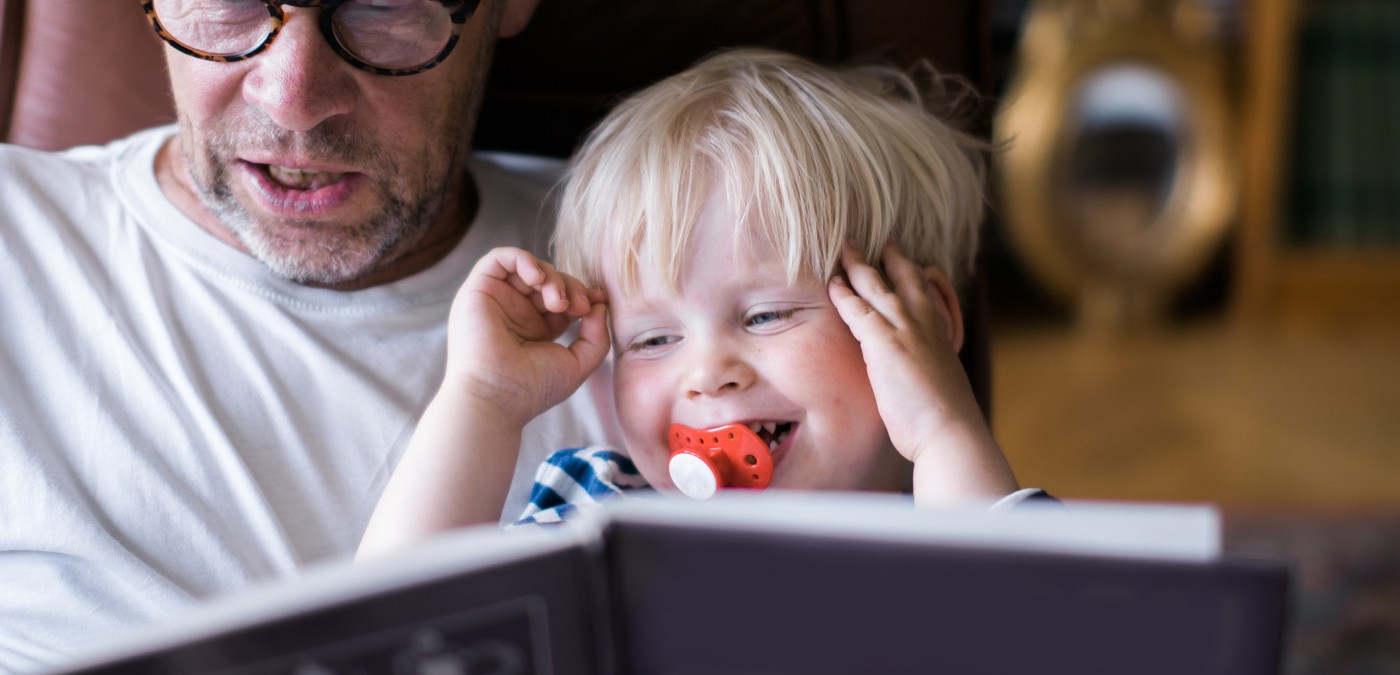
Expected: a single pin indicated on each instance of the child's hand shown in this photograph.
(909, 337)
(505, 319)
(503, 369)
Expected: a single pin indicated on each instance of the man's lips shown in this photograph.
(300, 191)
(303, 179)
(298, 160)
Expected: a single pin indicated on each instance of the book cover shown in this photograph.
(774, 584)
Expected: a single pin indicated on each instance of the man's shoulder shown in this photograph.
(517, 199)
(36, 182)
(537, 170)
(517, 181)
(22, 163)
(55, 198)
(55, 169)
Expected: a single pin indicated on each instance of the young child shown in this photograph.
(719, 230)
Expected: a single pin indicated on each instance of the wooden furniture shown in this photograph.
(1278, 283)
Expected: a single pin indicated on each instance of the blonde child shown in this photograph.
(718, 231)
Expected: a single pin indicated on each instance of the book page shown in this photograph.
(1187, 532)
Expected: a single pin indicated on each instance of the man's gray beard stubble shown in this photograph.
(346, 251)
(361, 248)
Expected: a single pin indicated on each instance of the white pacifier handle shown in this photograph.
(694, 476)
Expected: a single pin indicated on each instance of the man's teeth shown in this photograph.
(301, 179)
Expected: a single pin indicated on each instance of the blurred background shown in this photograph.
(1260, 370)
(1192, 274)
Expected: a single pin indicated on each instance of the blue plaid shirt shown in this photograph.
(574, 478)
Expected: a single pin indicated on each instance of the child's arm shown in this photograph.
(503, 369)
(910, 337)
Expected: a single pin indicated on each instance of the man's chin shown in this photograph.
(315, 272)
(339, 251)
(314, 261)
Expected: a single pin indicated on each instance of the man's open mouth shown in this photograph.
(301, 179)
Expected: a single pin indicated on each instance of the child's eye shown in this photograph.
(769, 316)
(652, 342)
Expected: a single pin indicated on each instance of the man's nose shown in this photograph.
(299, 81)
(717, 367)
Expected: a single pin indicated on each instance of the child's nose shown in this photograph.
(717, 370)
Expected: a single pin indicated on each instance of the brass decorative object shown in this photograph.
(1117, 174)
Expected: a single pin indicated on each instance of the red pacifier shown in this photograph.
(728, 456)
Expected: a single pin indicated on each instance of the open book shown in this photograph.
(777, 583)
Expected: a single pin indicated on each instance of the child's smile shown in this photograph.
(741, 344)
(773, 433)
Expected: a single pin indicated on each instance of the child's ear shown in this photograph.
(945, 300)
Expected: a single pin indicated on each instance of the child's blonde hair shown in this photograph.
(818, 156)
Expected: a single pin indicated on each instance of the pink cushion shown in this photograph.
(89, 71)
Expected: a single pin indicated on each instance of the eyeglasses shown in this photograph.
(387, 37)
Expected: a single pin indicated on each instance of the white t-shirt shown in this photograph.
(176, 423)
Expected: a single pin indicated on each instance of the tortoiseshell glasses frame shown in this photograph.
(460, 12)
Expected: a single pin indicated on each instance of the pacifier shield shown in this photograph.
(728, 456)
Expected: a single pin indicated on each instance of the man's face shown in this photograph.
(325, 172)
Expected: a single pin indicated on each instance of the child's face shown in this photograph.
(741, 344)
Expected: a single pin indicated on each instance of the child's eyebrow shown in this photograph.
(629, 319)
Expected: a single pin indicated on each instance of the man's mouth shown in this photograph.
(301, 179)
(772, 433)
(302, 192)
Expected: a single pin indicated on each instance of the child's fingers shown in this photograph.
(575, 300)
(564, 294)
(516, 267)
(553, 289)
(593, 342)
(581, 298)
(548, 288)
(867, 283)
(910, 284)
(866, 322)
(863, 278)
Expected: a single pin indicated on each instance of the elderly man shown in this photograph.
(217, 336)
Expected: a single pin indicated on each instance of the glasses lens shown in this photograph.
(395, 34)
(221, 27)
